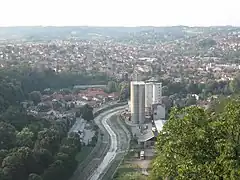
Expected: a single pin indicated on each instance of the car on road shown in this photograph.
(142, 155)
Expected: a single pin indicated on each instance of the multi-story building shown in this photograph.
(148, 96)
(157, 93)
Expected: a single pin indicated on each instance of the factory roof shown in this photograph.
(159, 124)
(138, 82)
(145, 137)
(153, 79)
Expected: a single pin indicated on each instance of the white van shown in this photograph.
(142, 155)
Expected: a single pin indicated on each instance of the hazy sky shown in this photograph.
(119, 12)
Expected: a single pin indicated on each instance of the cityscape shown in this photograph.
(119, 103)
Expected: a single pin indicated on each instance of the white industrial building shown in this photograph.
(137, 102)
(148, 97)
(157, 93)
(143, 98)
(158, 111)
(153, 94)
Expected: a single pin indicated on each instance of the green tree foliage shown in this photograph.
(124, 91)
(182, 88)
(18, 117)
(234, 85)
(207, 43)
(112, 86)
(25, 138)
(28, 159)
(7, 135)
(35, 96)
(197, 144)
(11, 92)
(54, 171)
(3, 154)
(48, 139)
(19, 83)
(193, 88)
(73, 140)
(34, 176)
(44, 158)
(132, 176)
(191, 101)
(87, 112)
(34, 148)
(14, 168)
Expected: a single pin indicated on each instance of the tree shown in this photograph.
(4, 175)
(234, 85)
(7, 136)
(18, 117)
(132, 176)
(73, 140)
(192, 88)
(61, 127)
(124, 91)
(165, 91)
(3, 154)
(35, 96)
(197, 144)
(34, 148)
(112, 86)
(48, 139)
(25, 138)
(27, 158)
(14, 168)
(62, 156)
(54, 171)
(211, 86)
(44, 158)
(34, 176)
(87, 112)
(207, 43)
(191, 101)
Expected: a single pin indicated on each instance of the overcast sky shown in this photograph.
(119, 12)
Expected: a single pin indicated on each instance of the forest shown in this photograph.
(32, 148)
(200, 144)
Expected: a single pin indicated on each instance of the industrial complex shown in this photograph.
(146, 113)
(146, 101)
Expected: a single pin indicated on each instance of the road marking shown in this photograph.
(111, 154)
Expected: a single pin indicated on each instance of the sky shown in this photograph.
(119, 12)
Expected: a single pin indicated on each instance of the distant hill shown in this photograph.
(85, 32)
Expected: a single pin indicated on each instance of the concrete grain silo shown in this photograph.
(137, 102)
(134, 103)
(141, 103)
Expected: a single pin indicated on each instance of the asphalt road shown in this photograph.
(123, 140)
(104, 151)
(114, 133)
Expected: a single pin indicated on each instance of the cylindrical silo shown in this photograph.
(134, 102)
(141, 87)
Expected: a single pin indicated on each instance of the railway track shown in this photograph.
(123, 136)
(120, 138)
(96, 157)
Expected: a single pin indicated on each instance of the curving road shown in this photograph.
(108, 145)
(113, 150)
